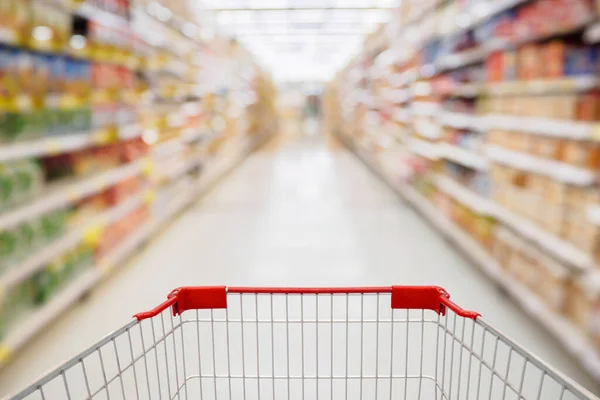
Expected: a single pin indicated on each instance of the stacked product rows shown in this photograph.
(486, 115)
(105, 134)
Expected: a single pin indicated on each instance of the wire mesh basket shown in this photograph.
(224, 343)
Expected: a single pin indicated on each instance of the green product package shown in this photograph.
(8, 248)
(53, 224)
(47, 281)
(7, 187)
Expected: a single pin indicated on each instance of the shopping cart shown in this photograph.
(394, 342)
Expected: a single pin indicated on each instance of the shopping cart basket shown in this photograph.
(394, 342)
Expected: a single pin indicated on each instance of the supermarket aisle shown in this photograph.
(303, 213)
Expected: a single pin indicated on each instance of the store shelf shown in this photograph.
(565, 85)
(461, 59)
(571, 339)
(168, 148)
(62, 301)
(425, 149)
(543, 126)
(69, 240)
(559, 171)
(424, 108)
(427, 129)
(464, 90)
(465, 196)
(401, 115)
(480, 13)
(593, 214)
(462, 121)
(398, 96)
(463, 157)
(66, 193)
(592, 33)
(505, 44)
(63, 144)
(562, 249)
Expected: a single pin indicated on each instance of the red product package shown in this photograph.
(494, 68)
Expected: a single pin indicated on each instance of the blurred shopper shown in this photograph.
(312, 114)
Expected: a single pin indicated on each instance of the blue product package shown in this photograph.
(57, 70)
(581, 61)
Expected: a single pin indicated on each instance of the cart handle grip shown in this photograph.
(215, 297)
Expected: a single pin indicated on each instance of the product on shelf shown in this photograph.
(583, 306)
(500, 133)
(20, 241)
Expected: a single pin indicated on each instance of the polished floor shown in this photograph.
(300, 212)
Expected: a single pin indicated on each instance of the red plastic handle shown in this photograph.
(403, 297)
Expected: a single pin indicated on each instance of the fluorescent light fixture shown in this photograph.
(42, 33)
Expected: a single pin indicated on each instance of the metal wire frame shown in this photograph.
(306, 346)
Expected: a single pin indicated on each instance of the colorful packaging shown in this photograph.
(581, 61)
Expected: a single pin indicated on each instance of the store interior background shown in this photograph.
(147, 145)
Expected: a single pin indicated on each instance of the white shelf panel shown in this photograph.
(62, 144)
(593, 214)
(553, 169)
(465, 196)
(566, 85)
(542, 126)
(69, 240)
(463, 157)
(401, 115)
(571, 339)
(424, 108)
(462, 121)
(425, 149)
(62, 301)
(65, 194)
(548, 241)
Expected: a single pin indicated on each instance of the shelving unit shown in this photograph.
(160, 130)
(515, 148)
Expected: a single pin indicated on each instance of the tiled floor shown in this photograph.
(303, 213)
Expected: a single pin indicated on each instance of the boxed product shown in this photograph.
(553, 282)
(553, 57)
(581, 61)
(583, 305)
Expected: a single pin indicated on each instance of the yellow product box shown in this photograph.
(565, 107)
(555, 192)
(553, 282)
(583, 304)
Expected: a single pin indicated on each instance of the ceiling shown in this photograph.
(300, 40)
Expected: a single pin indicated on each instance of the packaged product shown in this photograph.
(494, 67)
(53, 224)
(553, 59)
(28, 178)
(583, 305)
(546, 147)
(8, 248)
(553, 282)
(527, 67)
(582, 154)
(7, 187)
(509, 66)
(46, 281)
(581, 61)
